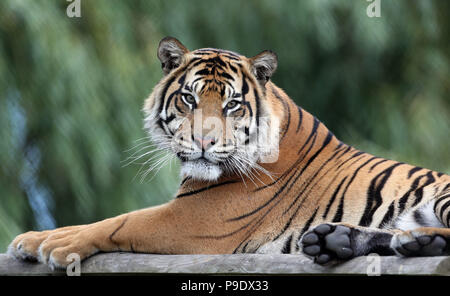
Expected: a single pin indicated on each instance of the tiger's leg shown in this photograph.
(340, 241)
(164, 229)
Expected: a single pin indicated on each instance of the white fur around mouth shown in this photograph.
(201, 169)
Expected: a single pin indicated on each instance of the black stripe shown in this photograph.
(419, 192)
(286, 226)
(287, 110)
(182, 79)
(288, 120)
(190, 64)
(209, 49)
(447, 187)
(265, 204)
(203, 72)
(249, 108)
(309, 186)
(285, 173)
(177, 107)
(308, 223)
(169, 100)
(356, 154)
(311, 134)
(404, 199)
(236, 58)
(219, 61)
(215, 50)
(258, 107)
(345, 151)
(300, 118)
(164, 127)
(310, 160)
(448, 220)
(205, 188)
(116, 230)
(226, 76)
(443, 208)
(169, 119)
(306, 185)
(419, 218)
(196, 79)
(245, 88)
(287, 246)
(232, 68)
(244, 249)
(339, 146)
(374, 198)
(357, 170)
(350, 158)
(333, 197)
(380, 162)
(163, 94)
(222, 236)
(340, 210)
(259, 222)
(185, 180)
(436, 203)
(388, 216)
(413, 170)
(215, 62)
(203, 53)
(306, 227)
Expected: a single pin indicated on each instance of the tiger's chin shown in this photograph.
(201, 170)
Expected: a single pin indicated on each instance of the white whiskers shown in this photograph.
(152, 153)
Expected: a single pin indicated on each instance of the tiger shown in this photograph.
(272, 180)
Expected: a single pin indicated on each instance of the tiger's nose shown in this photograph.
(204, 143)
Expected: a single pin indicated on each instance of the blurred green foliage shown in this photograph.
(72, 89)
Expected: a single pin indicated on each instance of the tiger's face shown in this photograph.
(210, 110)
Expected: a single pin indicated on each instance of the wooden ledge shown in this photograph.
(238, 264)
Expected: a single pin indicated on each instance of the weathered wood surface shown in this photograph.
(127, 263)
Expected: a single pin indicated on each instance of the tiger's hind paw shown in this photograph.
(416, 243)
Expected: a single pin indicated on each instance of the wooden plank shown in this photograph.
(128, 263)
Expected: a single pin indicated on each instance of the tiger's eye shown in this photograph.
(189, 99)
(231, 104)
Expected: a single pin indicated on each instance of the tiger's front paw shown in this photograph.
(52, 247)
(327, 243)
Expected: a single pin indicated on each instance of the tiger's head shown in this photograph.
(210, 109)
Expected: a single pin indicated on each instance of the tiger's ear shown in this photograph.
(170, 53)
(264, 65)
